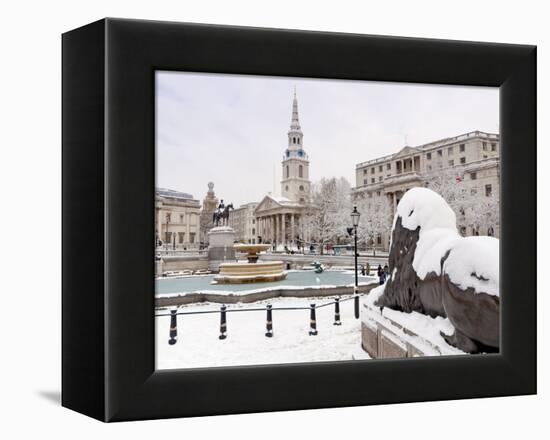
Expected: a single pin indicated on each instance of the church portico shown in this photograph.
(279, 225)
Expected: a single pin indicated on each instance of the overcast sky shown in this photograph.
(232, 129)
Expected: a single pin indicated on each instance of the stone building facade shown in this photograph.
(474, 158)
(279, 219)
(243, 221)
(176, 219)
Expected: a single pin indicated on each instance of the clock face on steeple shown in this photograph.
(295, 184)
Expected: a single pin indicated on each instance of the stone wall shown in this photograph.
(220, 298)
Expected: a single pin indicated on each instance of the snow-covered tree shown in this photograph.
(449, 183)
(375, 220)
(473, 208)
(483, 214)
(329, 215)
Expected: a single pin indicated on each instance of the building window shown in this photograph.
(380, 168)
(484, 144)
(379, 239)
(450, 151)
(301, 187)
(286, 188)
(462, 148)
(364, 171)
(181, 236)
(253, 231)
(302, 200)
(300, 171)
(378, 193)
(473, 176)
(440, 153)
(168, 237)
(493, 147)
(473, 191)
(388, 166)
(365, 181)
(372, 180)
(463, 160)
(287, 172)
(181, 218)
(372, 170)
(298, 141)
(429, 156)
(380, 178)
(451, 163)
(488, 190)
(191, 237)
(168, 218)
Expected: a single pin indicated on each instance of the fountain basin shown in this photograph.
(245, 272)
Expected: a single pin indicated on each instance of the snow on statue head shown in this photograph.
(437, 272)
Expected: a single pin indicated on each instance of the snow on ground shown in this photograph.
(198, 345)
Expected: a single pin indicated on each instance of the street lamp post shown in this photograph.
(355, 215)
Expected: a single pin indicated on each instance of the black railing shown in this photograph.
(268, 309)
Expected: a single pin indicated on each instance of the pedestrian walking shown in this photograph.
(380, 273)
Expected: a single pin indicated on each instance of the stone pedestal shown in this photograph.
(220, 248)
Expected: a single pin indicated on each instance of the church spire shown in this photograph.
(295, 122)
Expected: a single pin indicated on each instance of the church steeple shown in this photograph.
(295, 135)
(295, 121)
(295, 184)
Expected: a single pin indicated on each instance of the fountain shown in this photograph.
(250, 271)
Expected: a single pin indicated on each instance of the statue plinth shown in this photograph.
(220, 248)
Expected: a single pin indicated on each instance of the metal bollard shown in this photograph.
(173, 328)
(356, 303)
(337, 312)
(223, 323)
(269, 321)
(312, 321)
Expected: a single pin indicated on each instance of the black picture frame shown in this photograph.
(108, 366)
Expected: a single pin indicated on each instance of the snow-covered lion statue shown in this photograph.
(437, 272)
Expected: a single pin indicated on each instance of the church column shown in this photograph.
(283, 228)
(275, 229)
(292, 230)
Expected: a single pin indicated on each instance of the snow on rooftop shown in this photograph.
(165, 192)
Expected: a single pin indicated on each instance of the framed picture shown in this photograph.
(261, 220)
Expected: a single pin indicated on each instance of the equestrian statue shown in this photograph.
(221, 214)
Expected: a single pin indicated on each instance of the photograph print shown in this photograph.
(305, 220)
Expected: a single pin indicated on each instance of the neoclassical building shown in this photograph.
(176, 219)
(279, 219)
(243, 221)
(474, 156)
